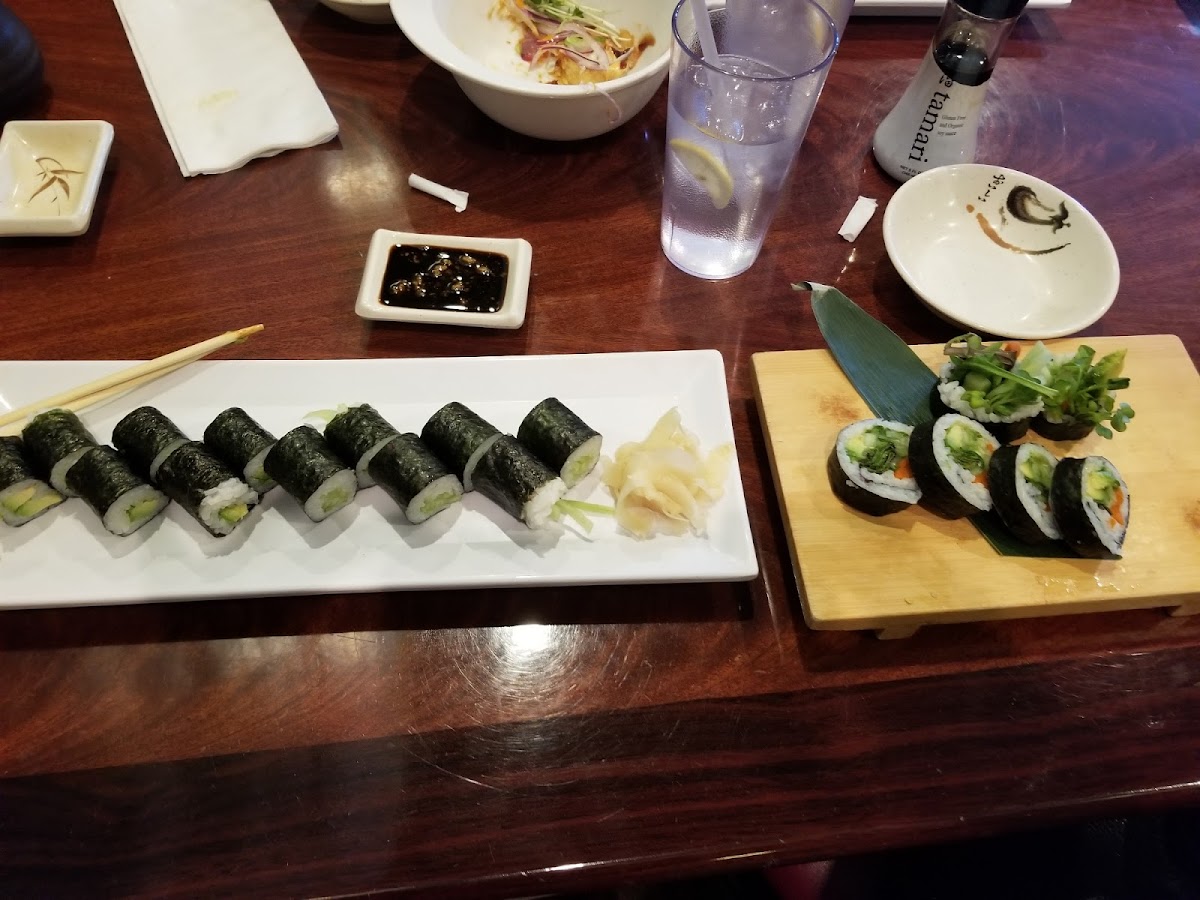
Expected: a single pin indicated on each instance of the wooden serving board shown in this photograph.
(914, 568)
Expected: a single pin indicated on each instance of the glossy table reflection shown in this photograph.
(510, 742)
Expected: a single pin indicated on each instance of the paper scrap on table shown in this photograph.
(450, 195)
(227, 82)
(860, 215)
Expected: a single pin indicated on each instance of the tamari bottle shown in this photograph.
(937, 119)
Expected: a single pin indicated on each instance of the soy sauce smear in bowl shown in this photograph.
(444, 278)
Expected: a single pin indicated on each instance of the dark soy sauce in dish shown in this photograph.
(444, 278)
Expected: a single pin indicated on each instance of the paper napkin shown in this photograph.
(227, 82)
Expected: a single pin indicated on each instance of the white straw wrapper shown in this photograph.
(860, 215)
(458, 198)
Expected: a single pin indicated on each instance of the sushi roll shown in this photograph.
(1091, 504)
(459, 438)
(1019, 478)
(984, 382)
(869, 467)
(950, 458)
(307, 468)
(207, 488)
(238, 440)
(54, 440)
(120, 497)
(414, 477)
(147, 438)
(518, 482)
(23, 496)
(560, 439)
(356, 435)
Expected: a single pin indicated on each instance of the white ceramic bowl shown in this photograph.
(479, 50)
(998, 251)
(373, 12)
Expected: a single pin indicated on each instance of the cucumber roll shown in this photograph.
(869, 467)
(560, 439)
(207, 488)
(120, 497)
(23, 496)
(147, 438)
(54, 441)
(950, 458)
(1091, 504)
(1019, 479)
(459, 438)
(356, 435)
(242, 444)
(518, 482)
(414, 477)
(307, 468)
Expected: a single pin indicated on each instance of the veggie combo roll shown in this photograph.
(985, 383)
(147, 438)
(207, 488)
(1019, 478)
(54, 441)
(242, 444)
(950, 458)
(1084, 402)
(414, 477)
(1091, 505)
(120, 497)
(307, 468)
(560, 439)
(869, 467)
(356, 435)
(518, 482)
(460, 438)
(23, 496)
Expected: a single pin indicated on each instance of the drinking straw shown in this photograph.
(708, 43)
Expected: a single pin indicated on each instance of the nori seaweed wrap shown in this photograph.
(1019, 479)
(460, 438)
(54, 441)
(23, 496)
(120, 497)
(560, 439)
(356, 435)
(147, 437)
(1091, 505)
(307, 468)
(414, 477)
(518, 482)
(237, 439)
(207, 488)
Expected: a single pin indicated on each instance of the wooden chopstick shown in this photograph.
(104, 388)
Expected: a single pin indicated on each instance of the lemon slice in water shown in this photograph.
(706, 169)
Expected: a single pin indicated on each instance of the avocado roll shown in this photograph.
(147, 437)
(414, 477)
(869, 467)
(560, 439)
(307, 468)
(1091, 505)
(518, 482)
(1019, 478)
(950, 458)
(207, 488)
(237, 439)
(23, 496)
(459, 437)
(54, 440)
(356, 435)
(119, 496)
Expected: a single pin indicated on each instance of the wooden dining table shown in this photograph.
(506, 741)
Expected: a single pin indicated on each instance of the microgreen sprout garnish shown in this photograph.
(1083, 391)
(569, 43)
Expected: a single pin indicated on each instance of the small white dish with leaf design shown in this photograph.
(50, 173)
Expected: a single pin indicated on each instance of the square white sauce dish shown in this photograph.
(50, 172)
(440, 279)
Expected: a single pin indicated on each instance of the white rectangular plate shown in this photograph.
(66, 558)
(930, 7)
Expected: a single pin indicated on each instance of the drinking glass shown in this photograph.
(734, 125)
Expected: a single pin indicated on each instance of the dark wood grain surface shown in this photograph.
(511, 742)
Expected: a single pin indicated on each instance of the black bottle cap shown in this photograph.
(994, 9)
